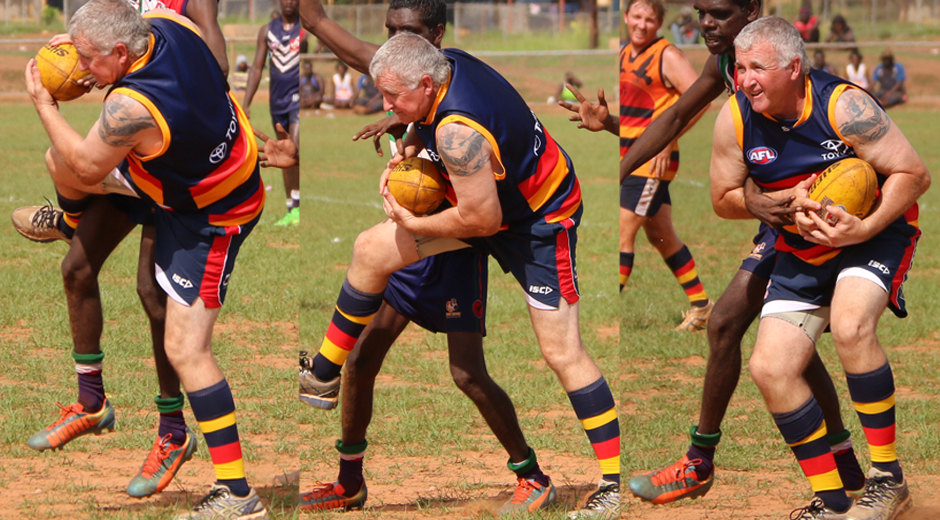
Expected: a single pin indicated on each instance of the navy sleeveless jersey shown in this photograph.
(209, 161)
(284, 53)
(780, 154)
(538, 182)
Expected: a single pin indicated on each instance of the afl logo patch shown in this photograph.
(478, 309)
(762, 155)
(218, 154)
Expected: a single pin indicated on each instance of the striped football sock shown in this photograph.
(72, 209)
(90, 384)
(805, 431)
(214, 409)
(595, 408)
(354, 310)
(626, 267)
(873, 396)
(682, 266)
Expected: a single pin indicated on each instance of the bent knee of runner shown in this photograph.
(77, 273)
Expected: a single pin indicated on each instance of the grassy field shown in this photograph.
(255, 342)
(423, 425)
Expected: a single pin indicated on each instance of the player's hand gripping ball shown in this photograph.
(60, 73)
(417, 185)
(850, 184)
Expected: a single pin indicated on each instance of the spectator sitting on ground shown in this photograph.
(889, 78)
(819, 63)
(240, 74)
(563, 94)
(808, 25)
(839, 31)
(856, 72)
(343, 91)
(312, 87)
(685, 28)
(368, 98)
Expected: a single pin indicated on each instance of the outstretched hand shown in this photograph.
(590, 116)
(775, 212)
(390, 125)
(280, 153)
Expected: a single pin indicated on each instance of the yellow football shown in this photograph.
(850, 184)
(417, 185)
(59, 70)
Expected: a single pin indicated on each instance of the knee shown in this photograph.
(78, 274)
(152, 298)
(725, 331)
(850, 332)
(467, 381)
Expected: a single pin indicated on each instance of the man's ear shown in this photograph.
(437, 35)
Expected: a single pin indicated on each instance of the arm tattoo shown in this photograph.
(464, 152)
(866, 121)
(119, 124)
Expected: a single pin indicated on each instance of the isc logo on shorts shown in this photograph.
(540, 289)
(761, 155)
(186, 284)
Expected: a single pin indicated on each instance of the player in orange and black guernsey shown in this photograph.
(785, 124)
(199, 170)
(106, 222)
(515, 197)
(653, 74)
(280, 39)
(444, 293)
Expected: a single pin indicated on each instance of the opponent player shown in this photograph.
(842, 275)
(280, 39)
(148, 139)
(421, 292)
(653, 74)
(482, 138)
(106, 224)
(693, 474)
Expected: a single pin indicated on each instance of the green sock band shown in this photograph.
(837, 438)
(169, 404)
(523, 466)
(351, 450)
(704, 440)
(87, 359)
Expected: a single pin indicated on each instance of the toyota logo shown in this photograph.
(218, 154)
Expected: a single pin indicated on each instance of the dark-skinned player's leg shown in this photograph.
(100, 230)
(291, 177)
(175, 444)
(693, 475)
(534, 489)
(362, 366)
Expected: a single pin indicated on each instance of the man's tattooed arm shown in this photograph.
(121, 120)
(864, 121)
(461, 147)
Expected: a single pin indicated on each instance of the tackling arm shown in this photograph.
(664, 129)
(205, 14)
(355, 52)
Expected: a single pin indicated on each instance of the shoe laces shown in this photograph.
(676, 472)
(602, 499)
(215, 494)
(524, 489)
(158, 454)
(321, 490)
(67, 412)
(808, 512)
(878, 490)
(45, 217)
